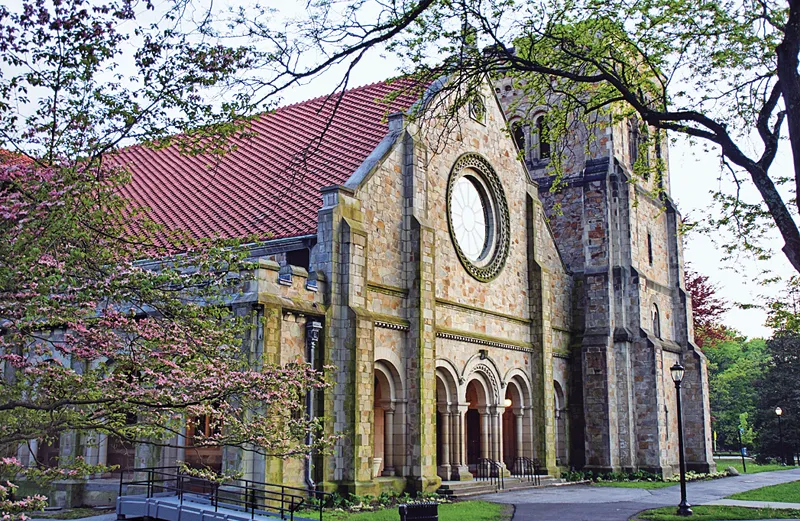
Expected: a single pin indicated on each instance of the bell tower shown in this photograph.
(617, 229)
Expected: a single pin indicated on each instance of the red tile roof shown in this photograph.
(269, 186)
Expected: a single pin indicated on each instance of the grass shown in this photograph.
(635, 484)
(718, 513)
(785, 492)
(752, 467)
(460, 511)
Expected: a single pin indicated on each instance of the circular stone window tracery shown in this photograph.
(477, 215)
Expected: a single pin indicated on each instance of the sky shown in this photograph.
(695, 173)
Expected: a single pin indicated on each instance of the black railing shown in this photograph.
(491, 471)
(527, 469)
(243, 495)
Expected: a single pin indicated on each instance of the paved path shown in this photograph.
(590, 503)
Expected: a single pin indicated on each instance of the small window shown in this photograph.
(477, 109)
(633, 140)
(518, 133)
(644, 149)
(656, 322)
(203, 426)
(544, 139)
(650, 248)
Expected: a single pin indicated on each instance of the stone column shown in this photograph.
(518, 419)
(445, 416)
(497, 433)
(459, 470)
(485, 428)
(444, 443)
(388, 440)
(454, 438)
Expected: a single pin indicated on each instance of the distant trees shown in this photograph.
(735, 365)
(780, 387)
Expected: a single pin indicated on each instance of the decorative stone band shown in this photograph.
(482, 341)
(565, 356)
(390, 325)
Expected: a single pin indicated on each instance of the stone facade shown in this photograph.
(618, 235)
(558, 356)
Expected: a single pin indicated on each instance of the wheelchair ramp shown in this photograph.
(170, 508)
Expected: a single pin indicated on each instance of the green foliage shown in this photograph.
(783, 314)
(734, 367)
(358, 503)
(647, 485)
(785, 492)
(779, 388)
(460, 511)
(718, 513)
(638, 479)
(753, 466)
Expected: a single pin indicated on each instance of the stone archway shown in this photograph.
(387, 421)
(482, 428)
(513, 413)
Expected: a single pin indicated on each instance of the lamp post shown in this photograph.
(779, 412)
(677, 371)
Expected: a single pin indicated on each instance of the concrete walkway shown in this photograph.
(754, 504)
(590, 503)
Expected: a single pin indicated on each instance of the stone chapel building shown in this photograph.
(466, 318)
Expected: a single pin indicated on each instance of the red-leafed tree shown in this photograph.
(707, 309)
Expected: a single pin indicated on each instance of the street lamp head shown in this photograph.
(677, 372)
(778, 411)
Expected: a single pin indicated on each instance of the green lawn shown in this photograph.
(718, 513)
(635, 484)
(752, 467)
(785, 492)
(461, 511)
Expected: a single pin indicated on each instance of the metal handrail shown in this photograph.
(492, 471)
(527, 469)
(249, 496)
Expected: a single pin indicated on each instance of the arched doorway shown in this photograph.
(514, 405)
(481, 438)
(387, 447)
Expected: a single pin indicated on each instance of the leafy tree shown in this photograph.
(734, 367)
(92, 334)
(707, 308)
(778, 388)
(783, 313)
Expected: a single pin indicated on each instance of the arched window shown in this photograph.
(518, 133)
(656, 322)
(638, 143)
(542, 133)
(644, 149)
(633, 140)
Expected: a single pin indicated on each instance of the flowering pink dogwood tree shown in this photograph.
(104, 317)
